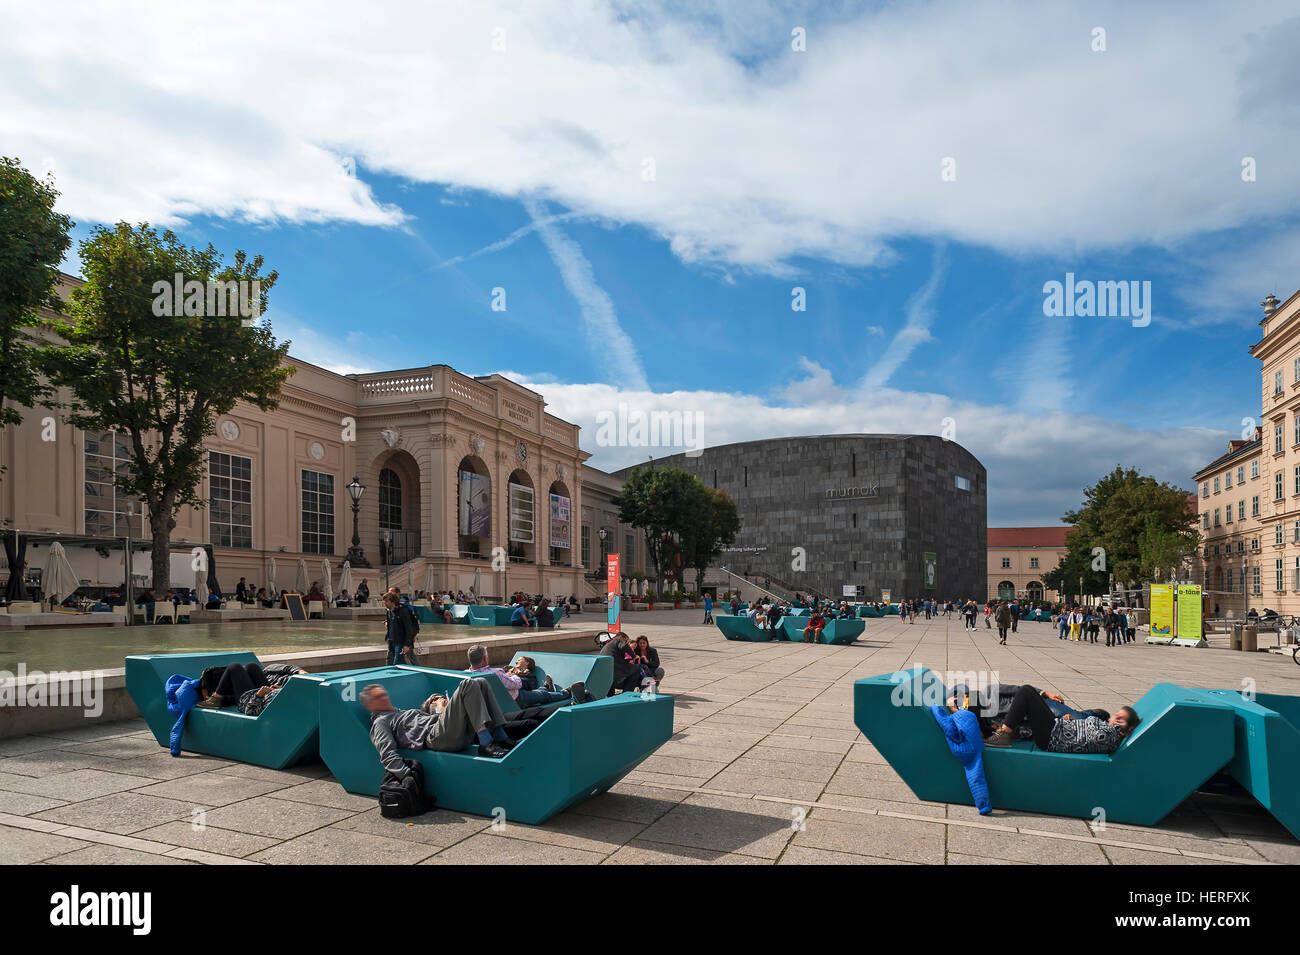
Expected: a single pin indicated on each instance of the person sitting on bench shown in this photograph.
(628, 675)
(813, 632)
(544, 618)
(226, 686)
(1063, 734)
(520, 617)
(440, 724)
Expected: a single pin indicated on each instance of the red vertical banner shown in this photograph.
(612, 591)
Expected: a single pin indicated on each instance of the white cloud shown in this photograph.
(761, 154)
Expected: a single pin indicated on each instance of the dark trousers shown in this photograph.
(1002, 634)
(238, 679)
(1028, 706)
(629, 683)
(399, 653)
(1014, 620)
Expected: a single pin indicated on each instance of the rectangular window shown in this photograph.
(1227, 514)
(963, 484)
(230, 500)
(1277, 578)
(1254, 469)
(1205, 489)
(1216, 517)
(1254, 580)
(1006, 563)
(1295, 575)
(317, 513)
(1205, 521)
(1277, 439)
(629, 550)
(586, 546)
(1033, 563)
(1254, 506)
(1229, 578)
(106, 457)
(1277, 382)
(1296, 370)
(1227, 479)
(521, 513)
(1277, 486)
(1254, 543)
(1216, 485)
(1241, 510)
(1241, 474)
(1297, 476)
(1277, 534)
(1296, 421)
(1241, 547)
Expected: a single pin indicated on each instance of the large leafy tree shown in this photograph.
(711, 525)
(160, 381)
(33, 239)
(661, 502)
(1144, 527)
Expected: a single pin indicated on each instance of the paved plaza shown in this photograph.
(765, 767)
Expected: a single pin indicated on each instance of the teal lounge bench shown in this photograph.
(1267, 758)
(840, 631)
(798, 612)
(891, 609)
(577, 752)
(1182, 741)
(742, 627)
(284, 734)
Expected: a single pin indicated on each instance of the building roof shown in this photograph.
(1028, 536)
(1235, 449)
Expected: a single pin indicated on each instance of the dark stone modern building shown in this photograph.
(868, 510)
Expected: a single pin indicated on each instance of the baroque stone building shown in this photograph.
(875, 512)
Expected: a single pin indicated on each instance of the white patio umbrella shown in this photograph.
(201, 587)
(301, 583)
(410, 579)
(270, 577)
(477, 585)
(428, 578)
(345, 579)
(329, 585)
(57, 579)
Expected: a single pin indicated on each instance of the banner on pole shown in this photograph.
(612, 591)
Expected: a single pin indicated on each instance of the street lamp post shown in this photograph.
(356, 554)
(1245, 593)
(386, 541)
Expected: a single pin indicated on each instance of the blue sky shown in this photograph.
(397, 165)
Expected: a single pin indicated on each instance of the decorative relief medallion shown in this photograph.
(477, 443)
(316, 450)
(229, 430)
(561, 470)
(391, 436)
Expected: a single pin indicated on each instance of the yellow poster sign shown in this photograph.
(1162, 610)
(1189, 611)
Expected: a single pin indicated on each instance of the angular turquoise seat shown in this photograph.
(577, 752)
(1267, 758)
(798, 612)
(1183, 740)
(742, 627)
(839, 631)
(865, 611)
(284, 734)
(891, 609)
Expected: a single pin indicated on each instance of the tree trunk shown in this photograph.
(162, 522)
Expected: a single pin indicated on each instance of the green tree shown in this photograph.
(33, 239)
(162, 381)
(712, 524)
(659, 501)
(1131, 526)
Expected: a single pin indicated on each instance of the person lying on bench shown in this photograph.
(224, 686)
(442, 725)
(1064, 734)
(513, 681)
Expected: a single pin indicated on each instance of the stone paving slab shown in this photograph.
(765, 767)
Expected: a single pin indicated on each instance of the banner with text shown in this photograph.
(612, 591)
(559, 521)
(1189, 611)
(1162, 610)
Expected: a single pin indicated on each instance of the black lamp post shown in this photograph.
(356, 555)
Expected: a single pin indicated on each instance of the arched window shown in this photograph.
(1006, 590)
(390, 500)
(1035, 590)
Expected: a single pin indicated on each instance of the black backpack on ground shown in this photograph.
(404, 796)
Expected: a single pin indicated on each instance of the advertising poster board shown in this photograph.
(612, 590)
(1162, 610)
(1189, 611)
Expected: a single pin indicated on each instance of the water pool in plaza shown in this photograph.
(106, 647)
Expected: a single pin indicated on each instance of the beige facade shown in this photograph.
(1018, 559)
(276, 483)
(1267, 543)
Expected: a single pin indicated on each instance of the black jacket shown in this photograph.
(624, 661)
(401, 626)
